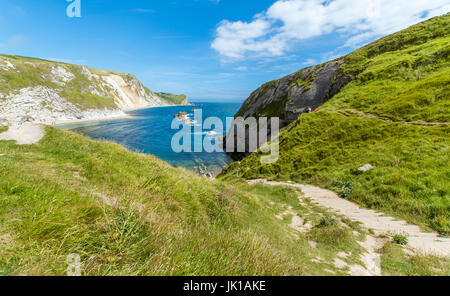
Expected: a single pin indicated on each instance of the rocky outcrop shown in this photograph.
(39, 91)
(44, 105)
(289, 97)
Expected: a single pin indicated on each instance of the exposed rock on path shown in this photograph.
(25, 134)
(424, 243)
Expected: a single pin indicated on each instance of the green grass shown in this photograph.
(126, 213)
(12, 81)
(76, 92)
(418, 34)
(394, 115)
(400, 240)
(172, 99)
(305, 84)
(412, 84)
(131, 214)
(273, 109)
(326, 149)
(394, 262)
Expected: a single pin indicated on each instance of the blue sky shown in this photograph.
(211, 50)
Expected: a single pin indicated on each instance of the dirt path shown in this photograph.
(25, 134)
(421, 242)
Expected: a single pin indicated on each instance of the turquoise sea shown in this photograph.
(149, 131)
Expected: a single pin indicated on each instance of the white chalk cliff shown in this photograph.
(39, 91)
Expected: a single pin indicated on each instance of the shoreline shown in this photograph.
(61, 123)
(144, 108)
(69, 122)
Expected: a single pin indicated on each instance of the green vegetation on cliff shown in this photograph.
(173, 99)
(411, 83)
(31, 72)
(394, 115)
(84, 87)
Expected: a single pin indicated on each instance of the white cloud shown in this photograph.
(238, 37)
(286, 22)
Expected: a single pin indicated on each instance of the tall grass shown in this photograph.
(131, 214)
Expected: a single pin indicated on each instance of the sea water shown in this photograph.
(149, 131)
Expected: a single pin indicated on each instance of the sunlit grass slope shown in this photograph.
(131, 214)
(394, 115)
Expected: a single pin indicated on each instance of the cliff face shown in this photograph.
(50, 92)
(289, 97)
(128, 92)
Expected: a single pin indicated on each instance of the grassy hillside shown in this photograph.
(30, 72)
(172, 99)
(403, 77)
(131, 214)
(394, 115)
(126, 213)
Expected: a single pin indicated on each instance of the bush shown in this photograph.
(327, 221)
(333, 236)
(346, 190)
(400, 239)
